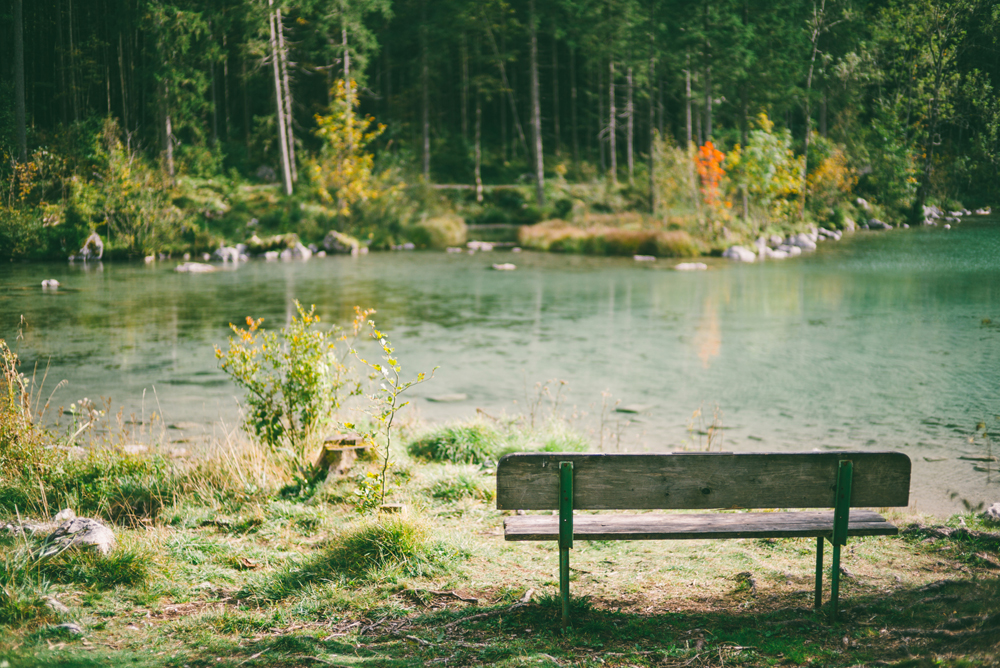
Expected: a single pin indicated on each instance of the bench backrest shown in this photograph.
(692, 481)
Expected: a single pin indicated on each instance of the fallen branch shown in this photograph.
(492, 613)
(455, 594)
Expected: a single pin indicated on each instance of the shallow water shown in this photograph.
(874, 342)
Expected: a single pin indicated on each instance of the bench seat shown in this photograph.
(658, 526)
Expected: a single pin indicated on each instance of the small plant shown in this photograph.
(295, 380)
(385, 400)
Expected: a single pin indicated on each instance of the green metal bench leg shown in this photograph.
(819, 573)
(841, 520)
(565, 536)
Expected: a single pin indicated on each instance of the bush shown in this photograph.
(441, 231)
(462, 443)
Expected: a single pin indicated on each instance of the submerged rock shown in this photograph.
(506, 266)
(691, 266)
(50, 283)
(194, 268)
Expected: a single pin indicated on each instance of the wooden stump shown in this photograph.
(339, 453)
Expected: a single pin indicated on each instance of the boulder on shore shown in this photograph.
(79, 532)
(93, 248)
(739, 254)
(992, 513)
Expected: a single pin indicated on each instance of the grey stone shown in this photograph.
(55, 605)
(739, 254)
(863, 203)
(992, 513)
(80, 532)
(71, 628)
(802, 241)
(64, 515)
(93, 248)
(691, 266)
(876, 224)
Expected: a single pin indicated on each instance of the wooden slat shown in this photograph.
(683, 527)
(701, 481)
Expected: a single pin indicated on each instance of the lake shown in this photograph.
(885, 340)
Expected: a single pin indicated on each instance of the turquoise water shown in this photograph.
(874, 342)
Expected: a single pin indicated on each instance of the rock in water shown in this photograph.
(80, 532)
(93, 247)
(691, 266)
(50, 283)
(740, 254)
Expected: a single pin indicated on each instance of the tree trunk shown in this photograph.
(555, 92)
(630, 129)
(60, 48)
(19, 115)
(286, 169)
(572, 104)
(612, 130)
(708, 96)
(72, 66)
(246, 106)
(536, 110)
(425, 97)
(479, 151)
(652, 130)
(687, 98)
(465, 90)
(287, 92)
(121, 74)
(600, 117)
(168, 132)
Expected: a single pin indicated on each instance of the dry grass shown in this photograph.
(598, 238)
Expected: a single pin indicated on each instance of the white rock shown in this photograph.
(506, 266)
(149, 259)
(985, 211)
(691, 266)
(64, 515)
(863, 203)
(992, 513)
(55, 605)
(194, 268)
(515, 249)
(739, 254)
(803, 241)
(228, 254)
(453, 249)
(206, 257)
(790, 251)
(321, 253)
(93, 247)
(81, 532)
(774, 241)
(271, 256)
(644, 258)
(50, 283)
(71, 628)
(947, 226)
(479, 245)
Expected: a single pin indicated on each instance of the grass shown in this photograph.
(231, 577)
(483, 440)
(595, 236)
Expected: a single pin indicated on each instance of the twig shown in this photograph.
(492, 613)
(454, 594)
(251, 658)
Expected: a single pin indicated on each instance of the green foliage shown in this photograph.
(460, 443)
(768, 171)
(294, 379)
(373, 549)
(463, 486)
(386, 398)
(342, 172)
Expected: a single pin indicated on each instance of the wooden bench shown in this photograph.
(702, 481)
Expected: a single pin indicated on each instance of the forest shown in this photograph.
(171, 126)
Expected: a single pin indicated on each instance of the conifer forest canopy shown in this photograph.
(906, 88)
